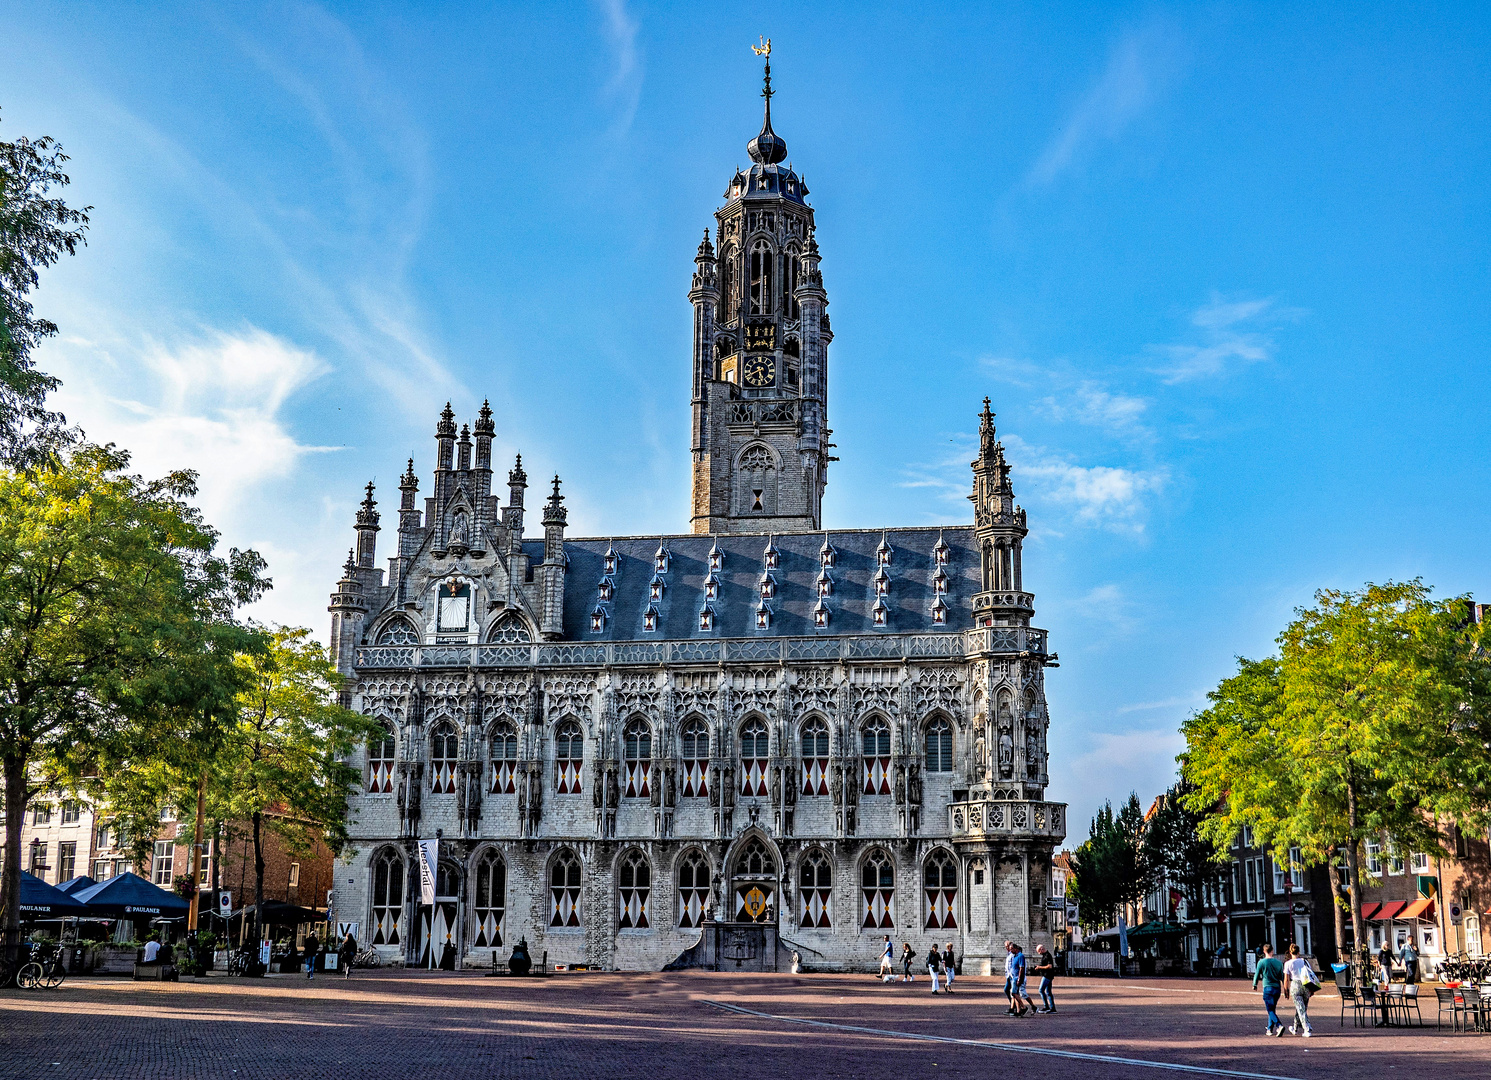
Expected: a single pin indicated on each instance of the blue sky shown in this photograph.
(1222, 269)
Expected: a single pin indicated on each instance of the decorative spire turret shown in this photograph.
(367, 529)
(1000, 527)
(767, 148)
(554, 511)
(484, 425)
(447, 424)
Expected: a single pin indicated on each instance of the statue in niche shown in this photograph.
(980, 757)
(900, 785)
(714, 787)
(1006, 753)
(789, 784)
(613, 789)
(535, 791)
(597, 786)
(836, 783)
(914, 785)
(459, 533)
(670, 789)
(1032, 753)
(776, 785)
(654, 787)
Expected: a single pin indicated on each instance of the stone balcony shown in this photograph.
(999, 819)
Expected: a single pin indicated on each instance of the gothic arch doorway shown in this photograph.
(754, 873)
(440, 923)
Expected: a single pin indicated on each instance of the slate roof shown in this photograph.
(909, 598)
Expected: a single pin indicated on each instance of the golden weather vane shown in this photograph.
(764, 49)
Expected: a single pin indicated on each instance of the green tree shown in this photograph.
(281, 767)
(1111, 868)
(1374, 718)
(1177, 850)
(35, 229)
(116, 620)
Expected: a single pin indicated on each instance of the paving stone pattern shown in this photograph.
(660, 1026)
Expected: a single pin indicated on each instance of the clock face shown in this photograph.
(759, 372)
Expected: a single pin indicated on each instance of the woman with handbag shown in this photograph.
(1300, 983)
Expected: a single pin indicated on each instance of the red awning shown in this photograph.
(1389, 910)
(1369, 912)
(1418, 909)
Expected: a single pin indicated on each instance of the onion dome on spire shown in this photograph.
(767, 148)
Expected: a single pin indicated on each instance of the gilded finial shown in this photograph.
(764, 49)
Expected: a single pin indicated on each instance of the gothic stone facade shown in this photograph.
(839, 733)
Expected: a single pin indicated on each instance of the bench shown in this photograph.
(156, 972)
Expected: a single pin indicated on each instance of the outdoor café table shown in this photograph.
(1390, 1002)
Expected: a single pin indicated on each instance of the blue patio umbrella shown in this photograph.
(42, 901)
(75, 885)
(129, 896)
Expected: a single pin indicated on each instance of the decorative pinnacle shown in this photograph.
(367, 514)
(556, 497)
(409, 480)
(447, 424)
(484, 425)
(517, 478)
(706, 249)
(350, 565)
(465, 433)
(554, 511)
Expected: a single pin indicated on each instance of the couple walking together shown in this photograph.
(1294, 979)
(938, 964)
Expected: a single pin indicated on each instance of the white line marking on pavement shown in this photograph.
(1014, 1048)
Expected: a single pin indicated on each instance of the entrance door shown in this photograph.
(754, 884)
(440, 926)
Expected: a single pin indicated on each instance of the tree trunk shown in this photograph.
(1338, 915)
(259, 874)
(10, 883)
(1354, 886)
(196, 856)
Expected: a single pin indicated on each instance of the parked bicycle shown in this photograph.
(368, 958)
(44, 971)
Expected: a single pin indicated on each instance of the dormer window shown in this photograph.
(608, 562)
(770, 557)
(605, 588)
(660, 559)
(882, 582)
(940, 551)
(939, 611)
(655, 588)
(716, 557)
(939, 582)
(882, 553)
(768, 587)
(649, 619)
(706, 619)
(597, 619)
(826, 554)
(879, 612)
(711, 588)
(763, 617)
(825, 585)
(820, 616)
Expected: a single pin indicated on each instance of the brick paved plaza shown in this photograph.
(400, 1025)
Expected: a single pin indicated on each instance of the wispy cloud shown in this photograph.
(625, 84)
(1098, 496)
(1139, 65)
(1092, 404)
(1232, 333)
(1167, 703)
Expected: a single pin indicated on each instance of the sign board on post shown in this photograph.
(264, 953)
(429, 857)
(345, 928)
(225, 903)
(1455, 914)
(1071, 914)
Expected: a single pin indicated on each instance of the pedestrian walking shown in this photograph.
(1270, 972)
(1385, 962)
(311, 948)
(1009, 975)
(1300, 981)
(907, 959)
(347, 954)
(1022, 996)
(1410, 957)
(1045, 969)
(949, 967)
(934, 965)
(885, 960)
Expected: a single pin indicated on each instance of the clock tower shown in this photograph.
(761, 335)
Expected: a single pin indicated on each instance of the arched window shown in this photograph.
(490, 895)
(755, 859)
(569, 758)
(444, 753)
(789, 286)
(381, 753)
(695, 757)
(876, 740)
(638, 758)
(755, 883)
(815, 881)
(634, 891)
(564, 890)
(877, 879)
(754, 755)
(388, 897)
(693, 888)
(940, 876)
(939, 744)
(815, 756)
(729, 287)
(761, 262)
(509, 629)
(503, 745)
(398, 632)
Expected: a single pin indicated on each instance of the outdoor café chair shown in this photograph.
(1349, 997)
(1468, 1002)
(1410, 999)
(1445, 995)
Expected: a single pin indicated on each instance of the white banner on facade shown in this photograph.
(429, 857)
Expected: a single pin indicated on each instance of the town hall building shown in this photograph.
(711, 748)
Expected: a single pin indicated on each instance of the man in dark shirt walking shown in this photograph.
(1045, 969)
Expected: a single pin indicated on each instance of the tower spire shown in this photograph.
(768, 148)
